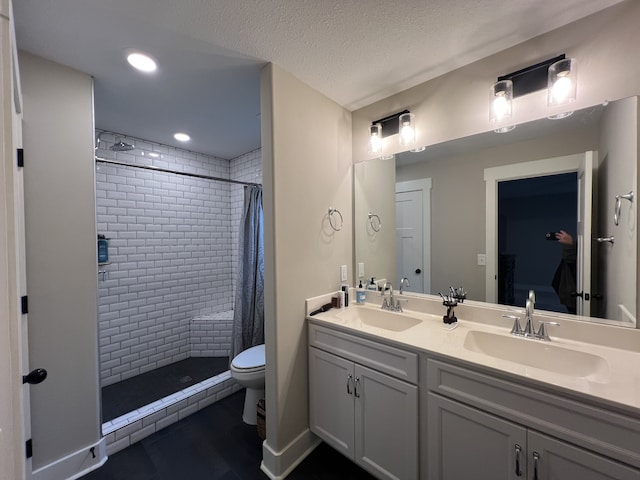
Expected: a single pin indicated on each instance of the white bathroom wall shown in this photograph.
(172, 254)
(306, 148)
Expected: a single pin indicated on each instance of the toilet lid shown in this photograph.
(251, 358)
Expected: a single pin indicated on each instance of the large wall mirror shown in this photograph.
(481, 212)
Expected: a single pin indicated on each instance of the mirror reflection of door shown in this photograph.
(413, 235)
(528, 209)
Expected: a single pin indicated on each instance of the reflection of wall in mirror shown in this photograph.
(374, 187)
(617, 175)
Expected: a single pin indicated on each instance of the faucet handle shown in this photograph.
(516, 329)
(542, 332)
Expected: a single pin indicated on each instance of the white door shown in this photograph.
(413, 236)
(14, 404)
(583, 269)
(581, 163)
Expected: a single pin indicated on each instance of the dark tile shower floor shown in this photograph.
(135, 392)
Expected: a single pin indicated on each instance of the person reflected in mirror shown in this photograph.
(564, 280)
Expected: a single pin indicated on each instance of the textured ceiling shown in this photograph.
(210, 53)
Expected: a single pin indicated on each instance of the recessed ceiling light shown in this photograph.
(181, 137)
(142, 61)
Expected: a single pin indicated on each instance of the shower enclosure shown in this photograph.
(170, 218)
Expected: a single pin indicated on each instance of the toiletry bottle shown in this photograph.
(340, 299)
(103, 249)
(372, 285)
(345, 289)
(360, 294)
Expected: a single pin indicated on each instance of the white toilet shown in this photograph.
(247, 368)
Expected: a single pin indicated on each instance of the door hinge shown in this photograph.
(24, 305)
(29, 448)
(20, 157)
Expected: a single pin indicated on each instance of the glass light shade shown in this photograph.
(375, 139)
(407, 129)
(562, 82)
(500, 101)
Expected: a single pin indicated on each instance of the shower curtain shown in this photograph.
(248, 310)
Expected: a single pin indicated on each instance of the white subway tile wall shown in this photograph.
(172, 253)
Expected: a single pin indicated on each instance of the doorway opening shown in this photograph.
(528, 210)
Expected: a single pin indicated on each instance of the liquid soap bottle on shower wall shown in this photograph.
(103, 249)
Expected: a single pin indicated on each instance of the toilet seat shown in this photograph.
(250, 360)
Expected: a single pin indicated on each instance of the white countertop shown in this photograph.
(617, 382)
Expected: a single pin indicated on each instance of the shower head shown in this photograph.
(121, 146)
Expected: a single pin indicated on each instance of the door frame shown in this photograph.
(515, 171)
(424, 185)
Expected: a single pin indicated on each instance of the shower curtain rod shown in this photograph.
(166, 170)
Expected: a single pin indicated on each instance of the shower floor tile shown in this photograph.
(133, 393)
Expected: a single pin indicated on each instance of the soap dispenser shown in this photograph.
(361, 296)
(103, 249)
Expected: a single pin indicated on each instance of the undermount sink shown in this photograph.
(538, 354)
(395, 322)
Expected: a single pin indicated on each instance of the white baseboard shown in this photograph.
(277, 465)
(75, 465)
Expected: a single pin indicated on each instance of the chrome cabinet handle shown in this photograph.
(518, 451)
(355, 390)
(349, 381)
(536, 458)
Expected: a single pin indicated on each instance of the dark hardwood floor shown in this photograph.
(214, 444)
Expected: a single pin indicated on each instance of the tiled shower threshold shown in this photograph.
(133, 426)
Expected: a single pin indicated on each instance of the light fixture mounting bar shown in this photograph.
(532, 78)
(390, 125)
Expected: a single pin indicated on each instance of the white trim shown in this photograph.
(75, 465)
(277, 465)
(423, 184)
(537, 168)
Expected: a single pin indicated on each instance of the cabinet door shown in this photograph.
(386, 425)
(551, 459)
(463, 442)
(331, 386)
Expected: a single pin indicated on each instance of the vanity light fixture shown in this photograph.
(562, 84)
(402, 123)
(141, 61)
(557, 75)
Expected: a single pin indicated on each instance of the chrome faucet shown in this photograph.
(404, 282)
(391, 305)
(529, 330)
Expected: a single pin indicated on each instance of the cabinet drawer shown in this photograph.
(596, 428)
(383, 358)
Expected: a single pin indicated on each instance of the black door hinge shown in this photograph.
(29, 448)
(24, 304)
(20, 157)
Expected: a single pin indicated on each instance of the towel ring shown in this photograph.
(333, 211)
(618, 207)
(374, 221)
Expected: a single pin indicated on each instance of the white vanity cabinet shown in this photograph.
(484, 427)
(363, 401)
